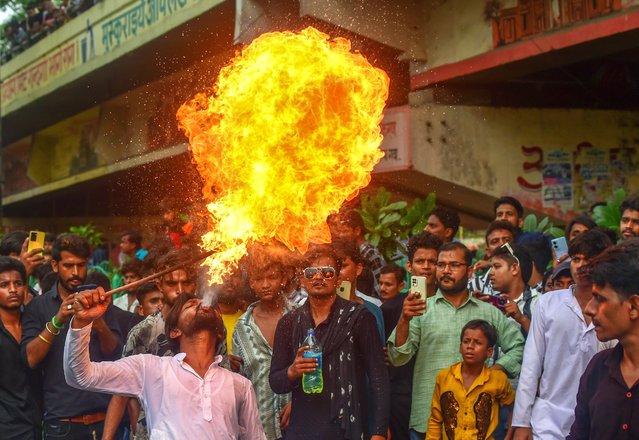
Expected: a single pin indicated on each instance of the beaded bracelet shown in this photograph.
(46, 326)
(44, 339)
(56, 324)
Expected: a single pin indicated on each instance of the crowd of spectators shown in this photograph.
(42, 18)
(520, 343)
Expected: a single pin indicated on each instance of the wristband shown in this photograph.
(46, 326)
(55, 323)
(44, 339)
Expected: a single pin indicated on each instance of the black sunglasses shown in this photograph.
(327, 272)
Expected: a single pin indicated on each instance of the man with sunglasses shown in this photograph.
(350, 344)
(559, 346)
(429, 329)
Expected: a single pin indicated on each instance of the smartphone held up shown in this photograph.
(36, 240)
(418, 288)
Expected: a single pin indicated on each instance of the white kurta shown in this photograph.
(177, 401)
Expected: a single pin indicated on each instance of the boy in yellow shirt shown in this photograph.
(468, 394)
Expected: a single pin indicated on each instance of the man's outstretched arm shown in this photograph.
(125, 376)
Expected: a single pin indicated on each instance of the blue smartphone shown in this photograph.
(560, 246)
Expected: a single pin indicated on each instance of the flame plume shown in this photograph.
(290, 132)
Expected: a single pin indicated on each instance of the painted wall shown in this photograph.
(529, 153)
(455, 30)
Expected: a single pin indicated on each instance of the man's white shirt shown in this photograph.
(558, 348)
(177, 401)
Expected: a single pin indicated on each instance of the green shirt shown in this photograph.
(435, 337)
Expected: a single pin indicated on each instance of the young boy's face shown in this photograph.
(501, 274)
(152, 302)
(474, 347)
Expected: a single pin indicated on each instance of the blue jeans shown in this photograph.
(414, 435)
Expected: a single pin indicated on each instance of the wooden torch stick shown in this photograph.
(139, 282)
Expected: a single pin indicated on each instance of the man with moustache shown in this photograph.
(149, 336)
(68, 413)
(608, 396)
(629, 225)
(422, 261)
(443, 222)
(560, 335)
(20, 413)
(392, 280)
(254, 334)
(428, 329)
(186, 396)
(350, 346)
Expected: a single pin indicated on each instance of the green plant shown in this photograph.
(89, 233)
(545, 226)
(111, 272)
(609, 215)
(387, 224)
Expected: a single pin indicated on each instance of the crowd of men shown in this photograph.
(42, 18)
(518, 344)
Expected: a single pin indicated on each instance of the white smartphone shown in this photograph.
(344, 290)
(418, 286)
(560, 246)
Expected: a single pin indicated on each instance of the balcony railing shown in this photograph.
(532, 17)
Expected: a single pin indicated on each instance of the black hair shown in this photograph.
(98, 278)
(612, 235)
(497, 225)
(12, 242)
(486, 328)
(41, 271)
(618, 267)
(346, 249)
(581, 220)
(145, 289)
(174, 257)
(631, 203)
(423, 240)
(136, 266)
(454, 246)
(72, 243)
(448, 217)
(7, 264)
(538, 247)
(520, 253)
(350, 217)
(318, 251)
(507, 200)
(134, 237)
(589, 244)
(49, 237)
(273, 255)
(400, 272)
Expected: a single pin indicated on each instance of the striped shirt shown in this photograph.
(374, 260)
(250, 345)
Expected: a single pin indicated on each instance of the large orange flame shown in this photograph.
(290, 133)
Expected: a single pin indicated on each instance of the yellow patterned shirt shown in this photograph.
(457, 413)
